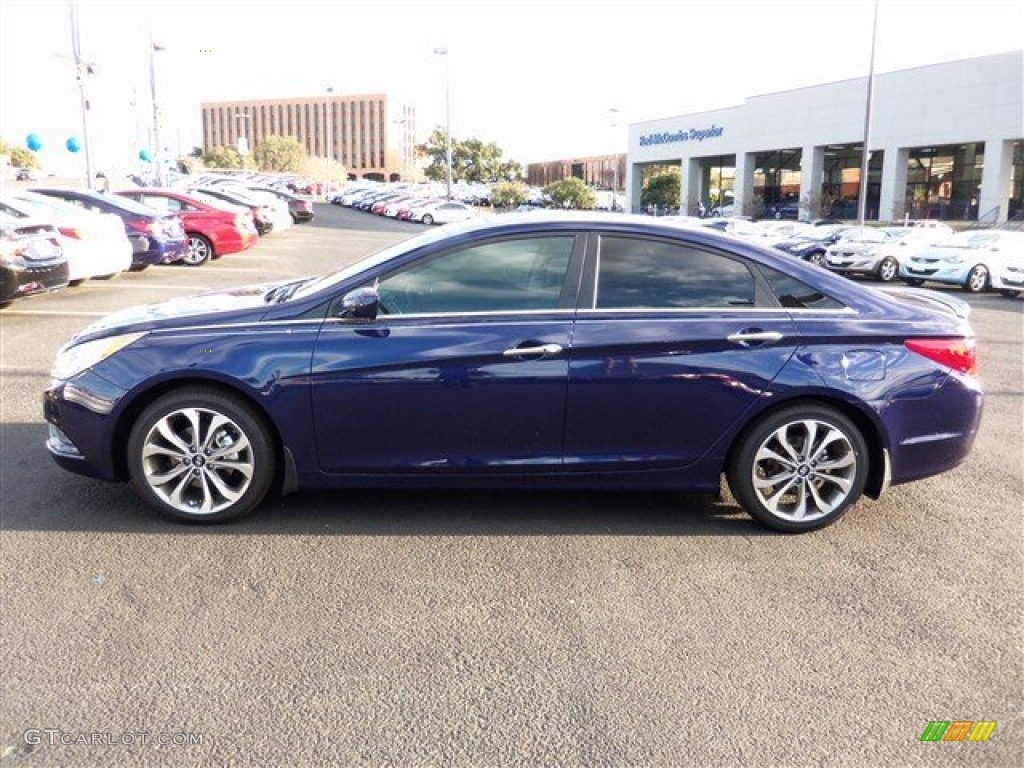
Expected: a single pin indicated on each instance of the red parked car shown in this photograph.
(212, 226)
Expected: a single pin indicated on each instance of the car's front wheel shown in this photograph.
(427, 219)
(888, 269)
(913, 282)
(1010, 293)
(800, 468)
(199, 455)
(977, 279)
(818, 257)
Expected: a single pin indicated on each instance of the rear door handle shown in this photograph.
(751, 337)
(544, 350)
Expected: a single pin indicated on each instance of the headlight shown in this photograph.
(71, 361)
(955, 259)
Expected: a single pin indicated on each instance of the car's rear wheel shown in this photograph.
(888, 269)
(427, 219)
(201, 456)
(800, 468)
(200, 250)
(977, 279)
(913, 282)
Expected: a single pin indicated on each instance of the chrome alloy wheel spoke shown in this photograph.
(804, 470)
(183, 458)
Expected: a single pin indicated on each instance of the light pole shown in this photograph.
(243, 139)
(441, 51)
(82, 70)
(330, 144)
(158, 167)
(865, 155)
(613, 114)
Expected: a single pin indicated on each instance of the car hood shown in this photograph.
(244, 304)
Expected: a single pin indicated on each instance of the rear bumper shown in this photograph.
(16, 282)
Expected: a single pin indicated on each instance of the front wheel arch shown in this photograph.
(119, 443)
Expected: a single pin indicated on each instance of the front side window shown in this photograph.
(509, 275)
(650, 274)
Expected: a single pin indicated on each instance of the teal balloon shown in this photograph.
(33, 142)
(144, 155)
(72, 144)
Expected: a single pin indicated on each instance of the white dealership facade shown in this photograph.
(947, 141)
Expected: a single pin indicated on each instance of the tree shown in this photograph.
(571, 193)
(23, 158)
(223, 157)
(507, 194)
(662, 189)
(5, 148)
(281, 153)
(472, 160)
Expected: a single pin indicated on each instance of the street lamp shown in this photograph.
(158, 168)
(82, 70)
(330, 144)
(441, 51)
(243, 139)
(614, 114)
(865, 155)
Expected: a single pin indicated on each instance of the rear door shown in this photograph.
(672, 343)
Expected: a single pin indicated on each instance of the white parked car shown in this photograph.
(280, 217)
(773, 232)
(975, 260)
(95, 244)
(444, 212)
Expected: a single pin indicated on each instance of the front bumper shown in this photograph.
(940, 272)
(82, 418)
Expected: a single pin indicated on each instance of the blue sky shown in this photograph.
(537, 77)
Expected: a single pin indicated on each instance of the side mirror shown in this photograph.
(360, 304)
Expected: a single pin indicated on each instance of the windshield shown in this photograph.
(127, 205)
(972, 240)
(864, 236)
(822, 233)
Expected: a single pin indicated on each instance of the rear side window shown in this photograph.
(795, 294)
(635, 273)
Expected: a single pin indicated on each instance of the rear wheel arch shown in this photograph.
(869, 430)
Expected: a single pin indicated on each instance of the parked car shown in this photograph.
(786, 209)
(976, 260)
(571, 351)
(812, 244)
(25, 174)
(31, 259)
(156, 238)
(262, 216)
(94, 244)
(299, 209)
(213, 228)
(443, 212)
(880, 256)
(277, 209)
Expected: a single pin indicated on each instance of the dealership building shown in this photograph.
(946, 142)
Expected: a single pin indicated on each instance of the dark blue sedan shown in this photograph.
(565, 351)
(156, 237)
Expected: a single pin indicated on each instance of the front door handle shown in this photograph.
(752, 337)
(544, 350)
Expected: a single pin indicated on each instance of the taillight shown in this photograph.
(72, 232)
(141, 225)
(959, 354)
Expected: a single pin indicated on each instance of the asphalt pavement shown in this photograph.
(495, 628)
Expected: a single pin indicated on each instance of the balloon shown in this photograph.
(33, 142)
(144, 155)
(72, 144)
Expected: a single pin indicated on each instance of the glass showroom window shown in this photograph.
(944, 182)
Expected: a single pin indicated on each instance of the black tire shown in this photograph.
(817, 257)
(111, 276)
(199, 251)
(76, 283)
(888, 270)
(1009, 293)
(828, 482)
(428, 219)
(192, 483)
(913, 282)
(977, 279)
